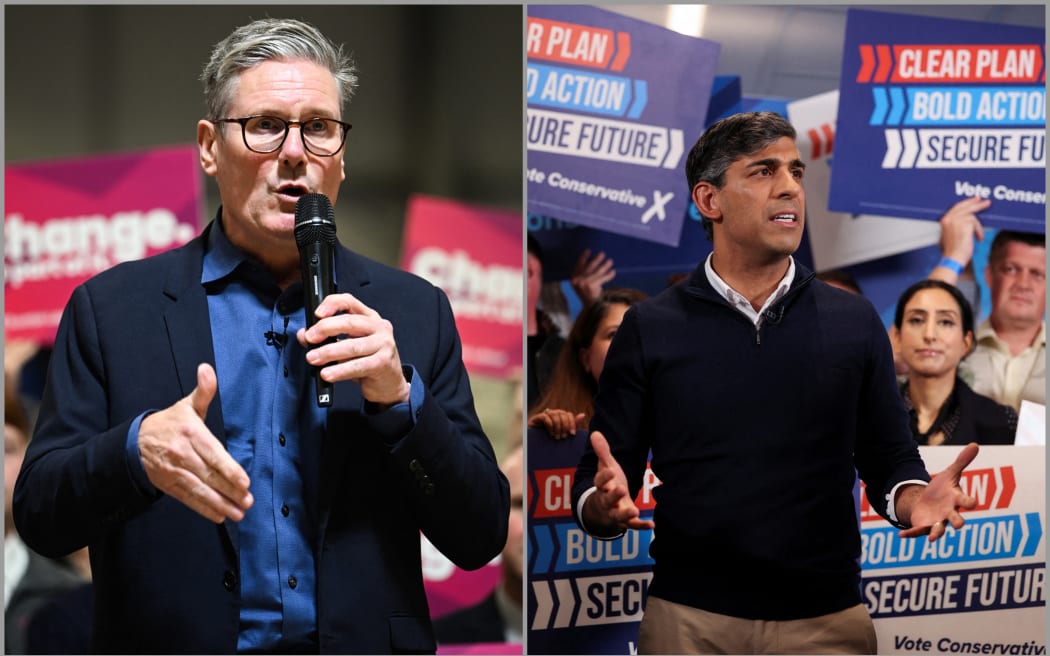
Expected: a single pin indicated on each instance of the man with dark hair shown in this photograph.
(1009, 361)
(760, 393)
(225, 511)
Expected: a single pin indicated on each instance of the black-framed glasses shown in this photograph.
(266, 134)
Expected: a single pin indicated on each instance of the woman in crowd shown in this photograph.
(932, 332)
(568, 402)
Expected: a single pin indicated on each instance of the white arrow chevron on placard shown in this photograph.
(544, 605)
(566, 603)
(677, 147)
(893, 149)
(911, 149)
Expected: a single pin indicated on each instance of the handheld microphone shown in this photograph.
(315, 237)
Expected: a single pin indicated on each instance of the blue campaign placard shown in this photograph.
(585, 595)
(934, 110)
(614, 106)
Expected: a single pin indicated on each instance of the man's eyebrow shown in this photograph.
(774, 162)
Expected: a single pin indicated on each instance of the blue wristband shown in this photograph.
(952, 265)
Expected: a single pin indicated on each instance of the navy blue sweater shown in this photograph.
(755, 434)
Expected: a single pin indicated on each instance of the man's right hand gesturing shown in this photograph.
(183, 459)
(610, 510)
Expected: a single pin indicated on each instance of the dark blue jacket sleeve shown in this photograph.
(886, 454)
(75, 483)
(462, 497)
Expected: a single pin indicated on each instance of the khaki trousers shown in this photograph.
(670, 628)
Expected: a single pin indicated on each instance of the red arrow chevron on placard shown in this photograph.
(885, 62)
(822, 141)
(814, 139)
(829, 134)
(867, 63)
(1009, 485)
(623, 51)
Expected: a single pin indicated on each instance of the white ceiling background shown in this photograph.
(795, 51)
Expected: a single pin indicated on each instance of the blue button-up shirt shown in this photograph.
(274, 430)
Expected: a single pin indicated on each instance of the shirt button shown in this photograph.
(284, 510)
(280, 438)
(286, 372)
(292, 582)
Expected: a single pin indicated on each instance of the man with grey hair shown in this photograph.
(224, 510)
(1008, 362)
(761, 393)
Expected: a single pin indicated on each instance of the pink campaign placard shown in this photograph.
(487, 648)
(66, 220)
(450, 588)
(475, 255)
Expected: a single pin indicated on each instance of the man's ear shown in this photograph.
(207, 145)
(707, 200)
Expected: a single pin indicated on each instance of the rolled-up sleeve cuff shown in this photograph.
(134, 459)
(398, 420)
(891, 506)
(579, 513)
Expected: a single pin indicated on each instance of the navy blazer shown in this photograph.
(166, 579)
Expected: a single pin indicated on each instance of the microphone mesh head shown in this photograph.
(314, 220)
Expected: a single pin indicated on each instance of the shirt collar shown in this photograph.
(738, 301)
(947, 417)
(221, 257)
(224, 263)
(986, 334)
